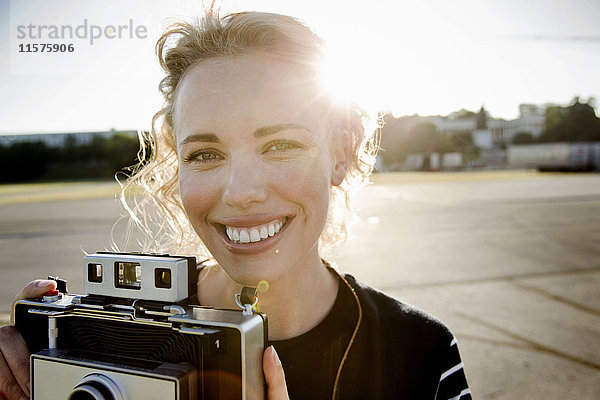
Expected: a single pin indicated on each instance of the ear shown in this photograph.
(341, 158)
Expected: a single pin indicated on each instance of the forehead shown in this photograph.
(257, 88)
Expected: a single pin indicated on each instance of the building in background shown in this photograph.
(470, 139)
(489, 132)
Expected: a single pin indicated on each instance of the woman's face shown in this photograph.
(256, 164)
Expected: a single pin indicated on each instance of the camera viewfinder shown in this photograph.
(162, 278)
(94, 272)
(128, 275)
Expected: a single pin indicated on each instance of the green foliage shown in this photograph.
(393, 138)
(404, 136)
(523, 138)
(481, 121)
(121, 151)
(463, 142)
(24, 161)
(554, 117)
(100, 158)
(462, 114)
(425, 138)
(576, 123)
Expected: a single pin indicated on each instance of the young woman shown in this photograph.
(252, 165)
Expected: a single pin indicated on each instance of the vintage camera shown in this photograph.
(136, 335)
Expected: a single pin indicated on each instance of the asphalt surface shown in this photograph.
(512, 265)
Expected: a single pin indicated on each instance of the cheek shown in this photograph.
(306, 183)
(197, 196)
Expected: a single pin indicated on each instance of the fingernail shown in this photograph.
(275, 356)
(43, 283)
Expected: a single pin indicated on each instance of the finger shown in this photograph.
(9, 387)
(33, 289)
(274, 375)
(15, 359)
(36, 288)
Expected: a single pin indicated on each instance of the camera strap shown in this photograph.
(247, 299)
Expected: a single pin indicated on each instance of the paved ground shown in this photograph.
(510, 261)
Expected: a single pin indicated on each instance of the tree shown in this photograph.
(523, 138)
(581, 123)
(575, 123)
(121, 151)
(406, 135)
(425, 138)
(554, 119)
(394, 136)
(481, 121)
(462, 114)
(24, 161)
(462, 141)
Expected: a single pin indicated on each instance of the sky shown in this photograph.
(429, 57)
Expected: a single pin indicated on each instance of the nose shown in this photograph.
(245, 185)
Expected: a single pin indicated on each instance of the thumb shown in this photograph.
(33, 289)
(274, 375)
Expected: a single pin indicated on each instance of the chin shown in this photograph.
(251, 273)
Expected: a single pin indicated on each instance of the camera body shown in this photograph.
(136, 336)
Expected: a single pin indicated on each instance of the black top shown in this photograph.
(399, 352)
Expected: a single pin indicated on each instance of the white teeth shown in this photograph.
(264, 233)
(254, 234)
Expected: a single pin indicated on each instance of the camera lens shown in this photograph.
(96, 387)
(89, 392)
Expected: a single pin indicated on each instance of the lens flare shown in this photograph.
(263, 286)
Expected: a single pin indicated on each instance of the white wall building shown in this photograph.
(531, 119)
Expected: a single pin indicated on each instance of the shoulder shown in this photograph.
(395, 316)
(409, 352)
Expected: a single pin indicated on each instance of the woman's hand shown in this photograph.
(14, 354)
(274, 375)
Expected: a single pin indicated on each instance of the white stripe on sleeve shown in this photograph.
(463, 393)
(452, 370)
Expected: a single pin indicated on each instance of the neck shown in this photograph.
(294, 304)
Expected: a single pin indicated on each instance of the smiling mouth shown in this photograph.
(255, 233)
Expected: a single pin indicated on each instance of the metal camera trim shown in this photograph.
(86, 386)
(182, 275)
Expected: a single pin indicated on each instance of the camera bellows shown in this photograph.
(133, 340)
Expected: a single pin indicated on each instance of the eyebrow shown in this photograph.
(260, 132)
(201, 137)
(270, 130)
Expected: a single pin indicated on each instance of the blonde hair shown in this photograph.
(157, 220)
